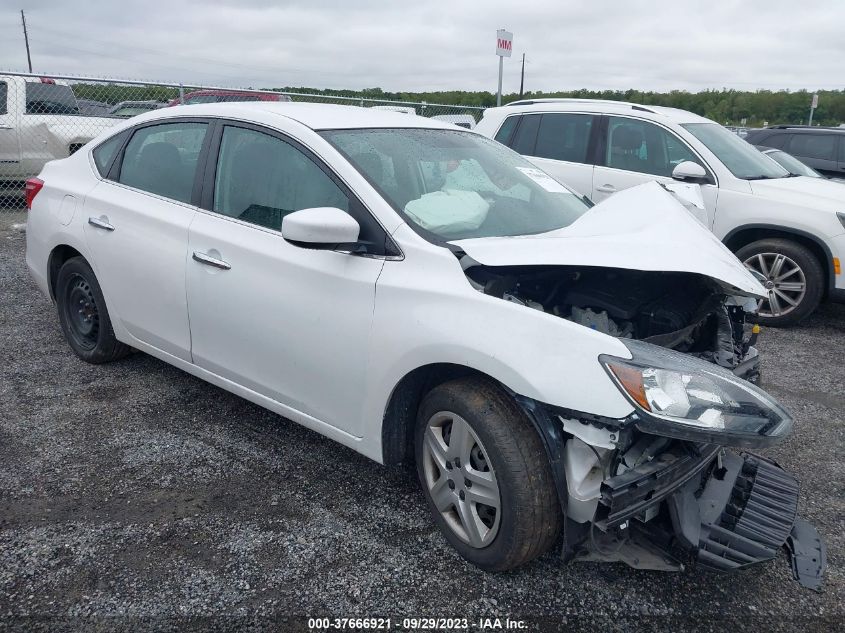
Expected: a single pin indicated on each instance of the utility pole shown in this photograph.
(504, 48)
(26, 40)
(522, 77)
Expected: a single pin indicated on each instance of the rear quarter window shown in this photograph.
(105, 151)
(4, 95)
(506, 131)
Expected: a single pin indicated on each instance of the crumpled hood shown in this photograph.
(818, 193)
(641, 228)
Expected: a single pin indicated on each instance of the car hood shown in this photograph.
(803, 191)
(641, 228)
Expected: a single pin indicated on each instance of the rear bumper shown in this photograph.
(719, 511)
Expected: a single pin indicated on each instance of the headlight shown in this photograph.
(685, 397)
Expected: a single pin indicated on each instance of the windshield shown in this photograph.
(451, 185)
(739, 156)
(44, 98)
(792, 164)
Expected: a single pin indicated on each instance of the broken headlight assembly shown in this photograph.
(681, 396)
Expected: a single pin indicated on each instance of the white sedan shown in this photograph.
(560, 374)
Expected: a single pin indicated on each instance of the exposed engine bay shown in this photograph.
(680, 311)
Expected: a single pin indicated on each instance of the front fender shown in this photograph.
(436, 317)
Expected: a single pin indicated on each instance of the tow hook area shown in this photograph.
(807, 553)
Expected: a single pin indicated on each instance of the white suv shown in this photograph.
(420, 292)
(790, 230)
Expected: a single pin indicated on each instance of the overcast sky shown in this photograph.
(426, 45)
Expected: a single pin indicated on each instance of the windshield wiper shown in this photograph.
(762, 177)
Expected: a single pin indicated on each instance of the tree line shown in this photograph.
(729, 107)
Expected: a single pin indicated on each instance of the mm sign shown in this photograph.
(504, 43)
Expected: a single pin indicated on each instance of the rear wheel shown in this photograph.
(793, 277)
(83, 314)
(485, 474)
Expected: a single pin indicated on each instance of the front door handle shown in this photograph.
(5, 127)
(100, 224)
(606, 188)
(208, 260)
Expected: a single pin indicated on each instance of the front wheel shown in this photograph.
(486, 475)
(792, 275)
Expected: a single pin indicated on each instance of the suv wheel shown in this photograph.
(485, 475)
(83, 315)
(793, 277)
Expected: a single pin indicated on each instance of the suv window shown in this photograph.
(4, 94)
(820, 146)
(778, 141)
(564, 137)
(201, 99)
(643, 147)
(162, 159)
(842, 149)
(261, 178)
(526, 134)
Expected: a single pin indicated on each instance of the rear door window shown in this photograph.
(818, 146)
(525, 138)
(564, 137)
(4, 95)
(162, 159)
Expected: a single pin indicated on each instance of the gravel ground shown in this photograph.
(136, 497)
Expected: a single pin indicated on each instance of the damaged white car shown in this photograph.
(562, 375)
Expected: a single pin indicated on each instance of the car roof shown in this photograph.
(806, 128)
(317, 116)
(599, 106)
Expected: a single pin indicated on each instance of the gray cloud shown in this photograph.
(604, 44)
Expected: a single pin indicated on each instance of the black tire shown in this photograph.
(810, 267)
(530, 519)
(83, 315)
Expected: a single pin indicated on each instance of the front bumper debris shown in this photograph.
(725, 512)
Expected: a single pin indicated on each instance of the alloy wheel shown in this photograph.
(784, 281)
(460, 479)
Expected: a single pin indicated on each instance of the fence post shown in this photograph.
(181, 94)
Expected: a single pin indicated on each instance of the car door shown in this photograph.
(136, 228)
(635, 151)
(10, 149)
(289, 322)
(558, 143)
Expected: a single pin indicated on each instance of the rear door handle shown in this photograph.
(100, 224)
(208, 260)
(606, 188)
(5, 127)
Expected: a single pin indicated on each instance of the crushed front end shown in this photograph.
(656, 502)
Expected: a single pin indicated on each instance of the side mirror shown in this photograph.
(320, 225)
(688, 170)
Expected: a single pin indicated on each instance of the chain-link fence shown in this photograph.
(44, 117)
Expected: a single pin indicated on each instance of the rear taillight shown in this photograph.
(33, 186)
